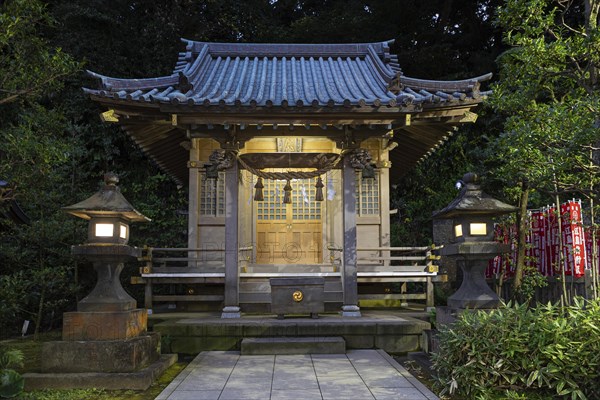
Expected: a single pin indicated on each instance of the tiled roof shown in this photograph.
(289, 75)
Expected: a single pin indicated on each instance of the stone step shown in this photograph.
(293, 345)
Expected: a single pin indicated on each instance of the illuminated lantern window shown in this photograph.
(123, 231)
(458, 230)
(104, 230)
(478, 229)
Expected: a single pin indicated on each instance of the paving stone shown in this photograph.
(346, 392)
(245, 394)
(209, 381)
(294, 373)
(292, 394)
(396, 381)
(195, 395)
(396, 393)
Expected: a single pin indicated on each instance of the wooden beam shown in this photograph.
(220, 134)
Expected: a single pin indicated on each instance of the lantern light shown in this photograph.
(458, 230)
(473, 245)
(123, 231)
(473, 212)
(104, 230)
(109, 214)
(477, 229)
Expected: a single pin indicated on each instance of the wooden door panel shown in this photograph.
(289, 233)
(270, 239)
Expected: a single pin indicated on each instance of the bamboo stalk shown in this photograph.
(594, 263)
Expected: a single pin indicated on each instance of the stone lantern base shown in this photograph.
(100, 325)
(105, 343)
(129, 362)
(101, 355)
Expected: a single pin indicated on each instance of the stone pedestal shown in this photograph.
(108, 294)
(473, 258)
(101, 355)
(474, 292)
(98, 325)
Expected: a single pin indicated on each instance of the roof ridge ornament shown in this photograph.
(395, 86)
(183, 83)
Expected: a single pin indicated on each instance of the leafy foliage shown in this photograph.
(30, 68)
(548, 350)
(549, 95)
(11, 382)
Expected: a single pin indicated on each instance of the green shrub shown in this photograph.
(11, 382)
(547, 350)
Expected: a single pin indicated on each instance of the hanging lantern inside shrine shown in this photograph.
(319, 186)
(258, 192)
(287, 197)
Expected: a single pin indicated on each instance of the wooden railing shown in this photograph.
(378, 267)
(182, 266)
(396, 265)
(195, 259)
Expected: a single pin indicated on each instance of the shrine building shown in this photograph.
(288, 151)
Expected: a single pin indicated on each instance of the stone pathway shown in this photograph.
(358, 374)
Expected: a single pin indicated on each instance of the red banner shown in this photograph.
(499, 264)
(542, 251)
(573, 238)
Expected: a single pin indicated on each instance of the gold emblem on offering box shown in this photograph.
(297, 296)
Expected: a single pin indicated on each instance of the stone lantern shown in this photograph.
(472, 245)
(109, 215)
(105, 342)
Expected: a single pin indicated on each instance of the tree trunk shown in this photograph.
(38, 317)
(592, 14)
(521, 237)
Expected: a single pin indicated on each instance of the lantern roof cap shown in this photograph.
(473, 201)
(107, 202)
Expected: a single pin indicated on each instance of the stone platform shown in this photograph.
(391, 331)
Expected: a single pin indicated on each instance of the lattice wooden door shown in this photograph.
(289, 233)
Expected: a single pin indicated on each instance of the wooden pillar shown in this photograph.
(194, 201)
(231, 307)
(349, 278)
(148, 295)
(429, 303)
(384, 212)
